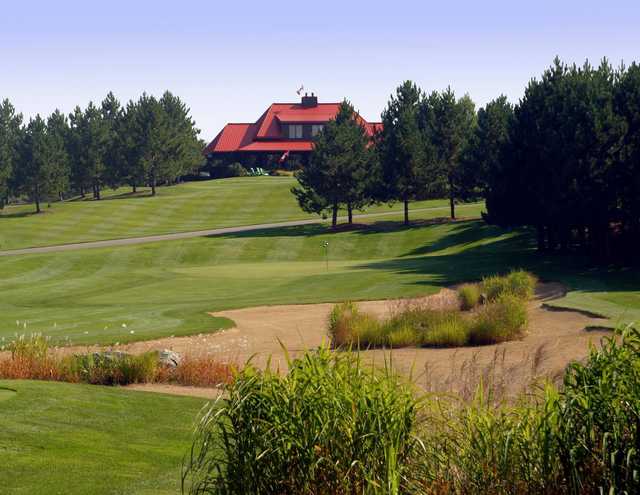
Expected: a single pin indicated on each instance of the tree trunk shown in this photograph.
(153, 185)
(97, 189)
(134, 188)
(334, 216)
(350, 213)
(452, 203)
(406, 210)
(82, 191)
(452, 207)
(37, 198)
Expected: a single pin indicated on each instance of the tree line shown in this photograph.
(564, 160)
(419, 154)
(146, 142)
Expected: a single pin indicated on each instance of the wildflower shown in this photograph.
(132, 332)
(124, 325)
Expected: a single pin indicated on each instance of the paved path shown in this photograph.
(195, 233)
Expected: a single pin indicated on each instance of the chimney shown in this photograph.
(309, 101)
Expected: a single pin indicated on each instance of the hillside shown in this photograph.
(185, 207)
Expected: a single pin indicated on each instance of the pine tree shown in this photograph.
(340, 168)
(57, 138)
(185, 153)
(38, 172)
(448, 125)
(487, 146)
(402, 148)
(88, 146)
(112, 116)
(10, 135)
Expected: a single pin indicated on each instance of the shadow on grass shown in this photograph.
(127, 195)
(514, 252)
(317, 229)
(19, 214)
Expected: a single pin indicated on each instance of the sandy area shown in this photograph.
(553, 340)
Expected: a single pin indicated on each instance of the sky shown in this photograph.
(229, 60)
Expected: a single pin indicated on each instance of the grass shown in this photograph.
(499, 321)
(167, 288)
(181, 208)
(330, 426)
(414, 324)
(32, 358)
(469, 296)
(76, 439)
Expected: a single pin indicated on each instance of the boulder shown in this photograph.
(169, 358)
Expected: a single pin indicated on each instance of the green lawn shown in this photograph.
(167, 288)
(59, 438)
(181, 208)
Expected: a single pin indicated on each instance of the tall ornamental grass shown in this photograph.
(331, 425)
(334, 426)
(504, 319)
(519, 283)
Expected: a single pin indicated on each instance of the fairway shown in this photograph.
(182, 208)
(167, 288)
(59, 438)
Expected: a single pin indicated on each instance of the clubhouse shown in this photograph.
(283, 129)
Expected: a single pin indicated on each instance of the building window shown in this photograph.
(316, 129)
(295, 131)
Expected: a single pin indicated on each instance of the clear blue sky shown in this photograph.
(229, 60)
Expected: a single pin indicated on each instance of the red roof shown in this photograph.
(266, 134)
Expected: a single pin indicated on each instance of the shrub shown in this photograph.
(598, 418)
(518, 282)
(451, 331)
(112, 368)
(348, 326)
(202, 371)
(469, 296)
(499, 321)
(31, 347)
(522, 284)
(331, 425)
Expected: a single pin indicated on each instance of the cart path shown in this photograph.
(128, 241)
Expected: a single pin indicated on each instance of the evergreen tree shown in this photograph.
(627, 175)
(10, 135)
(448, 126)
(89, 142)
(38, 172)
(57, 139)
(487, 146)
(185, 151)
(155, 141)
(402, 149)
(112, 116)
(340, 169)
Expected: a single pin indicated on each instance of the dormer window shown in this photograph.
(295, 131)
(316, 129)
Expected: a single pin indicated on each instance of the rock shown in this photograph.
(169, 358)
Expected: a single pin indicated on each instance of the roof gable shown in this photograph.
(266, 134)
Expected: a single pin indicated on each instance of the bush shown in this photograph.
(112, 368)
(499, 321)
(451, 331)
(199, 372)
(517, 282)
(348, 326)
(599, 418)
(330, 426)
(469, 296)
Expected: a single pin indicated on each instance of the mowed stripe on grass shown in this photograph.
(101, 440)
(182, 208)
(168, 288)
